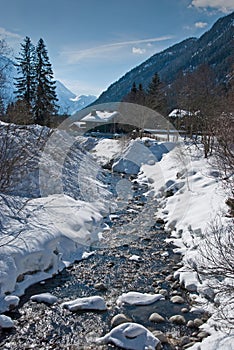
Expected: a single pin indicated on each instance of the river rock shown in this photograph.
(177, 299)
(163, 292)
(155, 317)
(190, 324)
(177, 319)
(169, 278)
(203, 334)
(11, 301)
(184, 310)
(119, 319)
(175, 285)
(86, 303)
(100, 286)
(6, 322)
(197, 322)
(161, 336)
(185, 340)
(46, 298)
(175, 292)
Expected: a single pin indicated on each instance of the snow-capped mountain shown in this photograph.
(68, 102)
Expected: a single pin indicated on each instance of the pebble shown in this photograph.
(203, 334)
(177, 299)
(184, 340)
(169, 278)
(197, 322)
(184, 310)
(175, 292)
(100, 286)
(177, 319)
(161, 336)
(155, 317)
(119, 319)
(190, 324)
(163, 292)
(175, 285)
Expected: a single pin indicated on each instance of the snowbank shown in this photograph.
(139, 152)
(55, 214)
(190, 197)
(54, 232)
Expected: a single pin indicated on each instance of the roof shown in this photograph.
(99, 116)
(179, 113)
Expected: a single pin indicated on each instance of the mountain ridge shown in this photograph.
(215, 47)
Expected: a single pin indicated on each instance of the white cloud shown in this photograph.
(221, 5)
(74, 56)
(138, 50)
(6, 34)
(200, 24)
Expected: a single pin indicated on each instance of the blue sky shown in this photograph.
(92, 43)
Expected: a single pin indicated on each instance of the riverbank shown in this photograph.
(144, 263)
(182, 194)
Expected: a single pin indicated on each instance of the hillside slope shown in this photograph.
(215, 47)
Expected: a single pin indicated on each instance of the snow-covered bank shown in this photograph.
(54, 232)
(190, 198)
(184, 195)
(40, 236)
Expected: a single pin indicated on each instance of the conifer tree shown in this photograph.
(136, 95)
(45, 95)
(155, 95)
(25, 82)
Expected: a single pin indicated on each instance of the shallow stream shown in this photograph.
(109, 272)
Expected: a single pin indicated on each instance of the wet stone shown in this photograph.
(119, 319)
(161, 336)
(155, 317)
(177, 319)
(190, 324)
(203, 334)
(177, 299)
(197, 322)
(184, 340)
(100, 286)
(184, 310)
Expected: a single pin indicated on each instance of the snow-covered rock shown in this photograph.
(46, 298)
(86, 303)
(130, 336)
(6, 322)
(11, 301)
(136, 298)
(138, 154)
(135, 257)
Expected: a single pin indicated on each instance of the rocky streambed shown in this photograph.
(134, 256)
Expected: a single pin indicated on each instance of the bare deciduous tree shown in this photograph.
(19, 151)
(217, 264)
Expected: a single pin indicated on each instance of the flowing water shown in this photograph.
(108, 272)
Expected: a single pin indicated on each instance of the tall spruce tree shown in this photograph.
(136, 95)
(155, 95)
(45, 95)
(25, 82)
